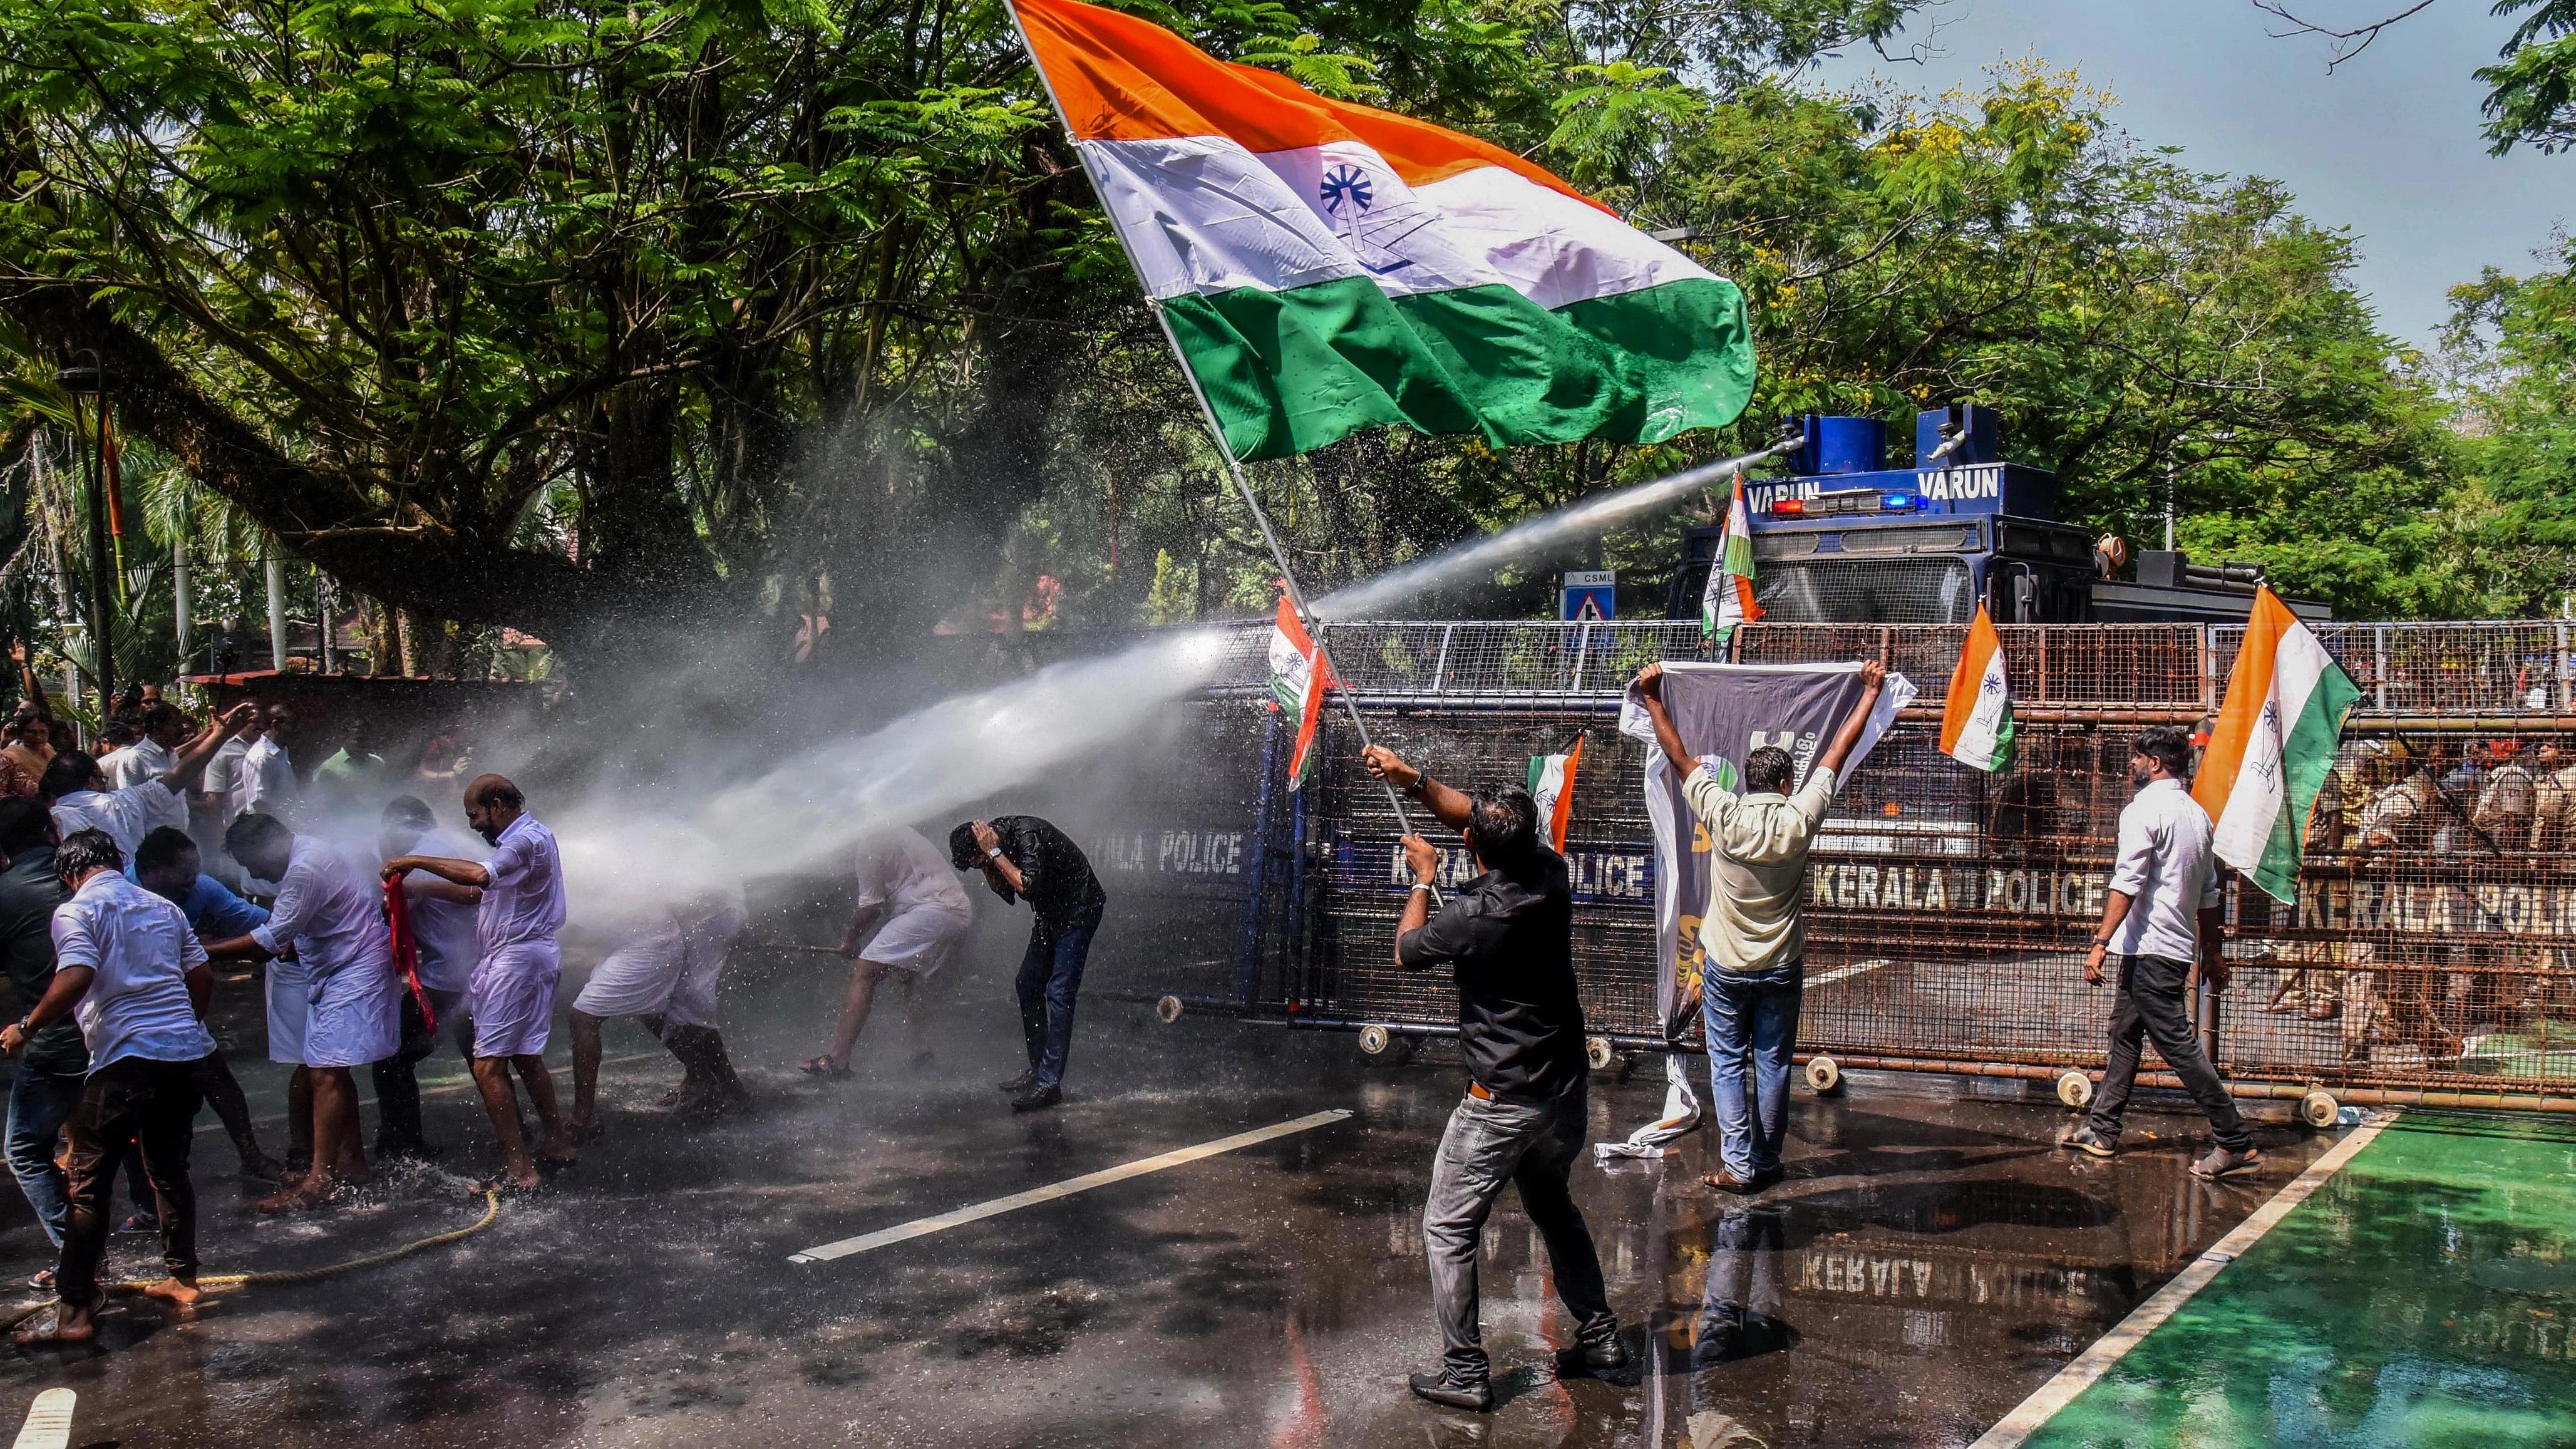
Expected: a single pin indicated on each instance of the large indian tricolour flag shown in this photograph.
(1327, 267)
(2273, 746)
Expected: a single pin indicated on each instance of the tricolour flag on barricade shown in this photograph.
(1297, 684)
(2273, 747)
(1551, 784)
(1325, 267)
(1977, 719)
(1728, 599)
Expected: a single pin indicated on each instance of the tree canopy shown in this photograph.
(589, 318)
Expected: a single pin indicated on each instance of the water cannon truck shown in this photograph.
(1846, 539)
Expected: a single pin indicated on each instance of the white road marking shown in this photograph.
(2088, 1366)
(49, 1421)
(924, 1227)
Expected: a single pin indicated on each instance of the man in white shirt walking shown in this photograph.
(2164, 909)
(512, 994)
(1754, 929)
(330, 913)
(130, 970)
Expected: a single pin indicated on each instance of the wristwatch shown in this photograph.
(994, 851)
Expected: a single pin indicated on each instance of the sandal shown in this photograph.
(822, 1067)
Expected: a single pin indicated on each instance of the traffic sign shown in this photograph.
(1589, 596)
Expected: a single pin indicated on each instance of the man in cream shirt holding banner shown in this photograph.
(1759, 727)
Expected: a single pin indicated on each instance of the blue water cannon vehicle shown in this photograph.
(1846, 539)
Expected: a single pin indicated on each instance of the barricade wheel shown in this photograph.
(2076, 1090)
(2319, 1109)
(1374, 1039)
(1168, 1010)
(1597, 1051)
(1825, 1075)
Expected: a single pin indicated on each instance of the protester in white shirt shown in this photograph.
(2163, 911)
(512, 994)
(131, 971)
(330, 914)
(77, 789)
(165, 729)
(908, 890)
(666, 977)
(218, 800)
(441, 917)
(268, 783)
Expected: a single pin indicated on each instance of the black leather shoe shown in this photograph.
(1599, 1356)
(1037, 1097)
(1446, 1389)
(1020, 1083)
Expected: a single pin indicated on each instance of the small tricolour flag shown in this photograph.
(1297, 684)
(1728, 599)
(1977, 721)
(1326, 267)
(2273, 747)
(1551, 784)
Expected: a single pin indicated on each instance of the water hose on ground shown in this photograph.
(213, 1281)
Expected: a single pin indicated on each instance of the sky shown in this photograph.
(2388, 145)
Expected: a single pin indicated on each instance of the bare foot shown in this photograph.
(558, 1150)
(302, 1199)
(171, 1290)
(61, 1323)
(585, 1129)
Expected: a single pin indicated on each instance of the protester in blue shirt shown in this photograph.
(166, 865)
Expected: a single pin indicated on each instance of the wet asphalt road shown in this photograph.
(1931, 1260)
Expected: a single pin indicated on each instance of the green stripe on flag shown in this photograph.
(2307, 754)
(1290, 371)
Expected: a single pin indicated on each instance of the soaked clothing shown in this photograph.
(670, 970)
(144, 763)
(1488, 1146)
(921, 906)
(1054, 874)
(28, 894)
(1756, 920)
(141, 951)
(126, 815)
(150, 1104)
(330, 912)
(511, 994)
(1509, 936)
(445, 931)
(268, 780)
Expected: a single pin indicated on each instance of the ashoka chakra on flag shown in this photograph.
(1327, 267)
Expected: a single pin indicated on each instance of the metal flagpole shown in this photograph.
(1216, 434)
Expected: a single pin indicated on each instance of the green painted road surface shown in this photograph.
(2426, 1295)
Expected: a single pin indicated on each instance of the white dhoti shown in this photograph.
(511, 997)
(290, 1010)
(356, 1018)
(653, 977)
(917, 938)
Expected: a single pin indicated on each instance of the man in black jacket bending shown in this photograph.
(1508, 935)
(1025, 858)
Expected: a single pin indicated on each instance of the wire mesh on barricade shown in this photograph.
(2432, 946)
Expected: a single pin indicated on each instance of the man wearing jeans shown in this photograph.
(2164, 908)
(1754, 930)
(1025, 858)
(132, 973)
(51, 1068)
(1508, 936)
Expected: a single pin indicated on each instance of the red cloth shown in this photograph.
(407, 952)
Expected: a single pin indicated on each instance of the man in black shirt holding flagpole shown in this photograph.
(1508, 935)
